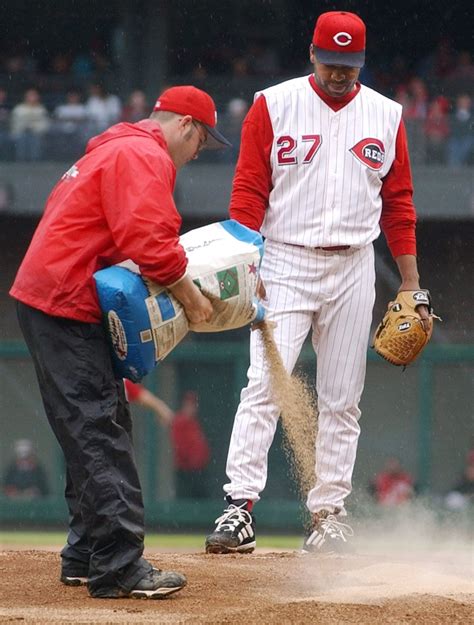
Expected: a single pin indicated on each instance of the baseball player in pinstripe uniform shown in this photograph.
(323, 166)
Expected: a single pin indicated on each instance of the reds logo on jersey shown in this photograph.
(370, 152)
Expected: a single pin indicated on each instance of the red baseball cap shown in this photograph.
(187, 100)
(339, 39)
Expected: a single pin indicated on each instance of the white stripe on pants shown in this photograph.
(332, 293)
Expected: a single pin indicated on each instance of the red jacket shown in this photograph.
(115, 203)
(393, 488)
(191, 449)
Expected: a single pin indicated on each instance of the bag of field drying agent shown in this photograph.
(144, 321)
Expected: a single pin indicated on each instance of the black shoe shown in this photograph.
(235, 530)
(327, 535)
(156, 584)
(75, 574)
(74, 580)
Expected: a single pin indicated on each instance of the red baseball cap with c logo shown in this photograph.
(188, 100)
(339, 39)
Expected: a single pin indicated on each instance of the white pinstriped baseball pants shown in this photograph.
(333, 294)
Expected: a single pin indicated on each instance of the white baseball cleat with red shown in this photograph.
(235, 530)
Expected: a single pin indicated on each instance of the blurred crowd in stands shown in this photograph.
(66, 101)
(30, 131)
(395, 486)
(25, 476)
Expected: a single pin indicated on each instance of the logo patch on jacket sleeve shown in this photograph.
(370, 152)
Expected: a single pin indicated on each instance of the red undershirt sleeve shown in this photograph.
(253, 176)
(398, 218)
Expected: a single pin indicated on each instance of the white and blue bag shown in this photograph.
(144, 321)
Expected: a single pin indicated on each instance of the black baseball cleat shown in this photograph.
(156, 584)
(327, 535)
(235, 529)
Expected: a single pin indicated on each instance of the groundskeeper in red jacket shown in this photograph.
(91, 223)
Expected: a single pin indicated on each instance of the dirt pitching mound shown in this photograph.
(261, 588)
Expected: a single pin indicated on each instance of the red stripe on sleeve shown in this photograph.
(253, 176)
(398, 218)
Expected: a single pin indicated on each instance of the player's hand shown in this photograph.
(425, 317)
(414, 285)
(200, 310)
(424, 314)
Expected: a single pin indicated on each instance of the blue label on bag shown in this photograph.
(166, 307)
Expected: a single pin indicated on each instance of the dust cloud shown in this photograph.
(409, 550)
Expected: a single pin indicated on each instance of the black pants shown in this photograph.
(90, 417)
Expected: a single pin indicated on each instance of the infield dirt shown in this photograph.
(277, 588)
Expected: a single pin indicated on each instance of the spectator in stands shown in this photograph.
(437, 130)
(462, 493)
(25, 478)
(83, 66)
(71, 115)
(403, 97)
(418, 94)
(262, 59)
(191, 450)
(7, 197)
(240, 67)
(29, 123)
(461, 79)
(137, 393)
(136, 108)
(5, 112)
(103, 109)
(234, 116)
(393, 485)
(60, 64)
(414, 98)
(438, 64)
(399, 73)
(18, 63)
(102, 66)
(199, 74)
(461, 140)
(68, 131)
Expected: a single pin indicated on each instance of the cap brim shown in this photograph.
(348, 59)
(215, 140)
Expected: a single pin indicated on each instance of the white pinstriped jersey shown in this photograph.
(327, 166)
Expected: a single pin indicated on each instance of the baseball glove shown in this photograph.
(401, 335)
